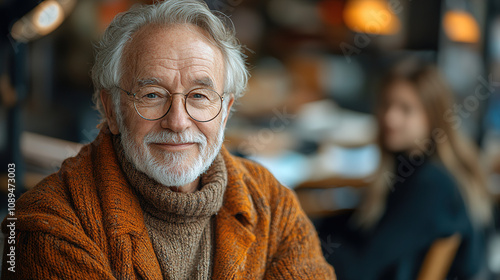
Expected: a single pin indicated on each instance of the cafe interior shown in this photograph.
(310, 114)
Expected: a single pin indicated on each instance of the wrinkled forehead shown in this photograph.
(156, 52)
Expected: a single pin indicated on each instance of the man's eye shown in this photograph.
(151, 95)
(198, 96)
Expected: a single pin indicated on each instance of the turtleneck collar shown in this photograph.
(176, 207)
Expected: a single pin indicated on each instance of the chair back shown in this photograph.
(439, 258)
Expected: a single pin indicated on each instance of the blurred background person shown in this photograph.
(429, 185)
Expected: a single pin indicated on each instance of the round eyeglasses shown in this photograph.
(153, 102)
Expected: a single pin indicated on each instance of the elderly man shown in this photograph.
(155, 195)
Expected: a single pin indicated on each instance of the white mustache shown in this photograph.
(167, 137)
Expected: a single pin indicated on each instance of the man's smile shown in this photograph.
(173, 146)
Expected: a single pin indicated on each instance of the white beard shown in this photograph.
(174, 169)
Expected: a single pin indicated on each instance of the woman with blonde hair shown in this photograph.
(428, 186)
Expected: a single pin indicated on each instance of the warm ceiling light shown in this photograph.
(48, 16)
(40, 21)
(460, 26)
(371, 16)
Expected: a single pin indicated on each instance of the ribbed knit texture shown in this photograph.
(180, 225)
(86, 222)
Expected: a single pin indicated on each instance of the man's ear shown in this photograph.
(229, 105)
(107, 104)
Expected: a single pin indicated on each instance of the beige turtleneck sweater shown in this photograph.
(180, 225)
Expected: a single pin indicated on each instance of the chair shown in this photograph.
(439, 258)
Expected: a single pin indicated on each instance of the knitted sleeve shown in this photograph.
(298, 254)
(51, 241)
(44, 256)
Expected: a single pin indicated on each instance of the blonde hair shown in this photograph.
(457, 154)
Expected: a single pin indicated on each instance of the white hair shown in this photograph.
(107, 69)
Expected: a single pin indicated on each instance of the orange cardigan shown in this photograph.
(84, 222)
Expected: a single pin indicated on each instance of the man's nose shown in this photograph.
(177, 118)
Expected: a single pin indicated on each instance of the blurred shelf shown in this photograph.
(47, 152)
(334, 182)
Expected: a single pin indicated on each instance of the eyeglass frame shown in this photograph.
(129, 93)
